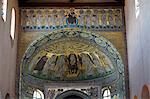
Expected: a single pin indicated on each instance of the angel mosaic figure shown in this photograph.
(103, 18)
(81, 17)
(48, 19)
(39, 16)
(86, 61)
(28, 19)
(24, 18)
(96, 61)
(94, 18)
(60, 65)
(33, 18)
(62, 17)
(110, 18)
(88, 18)
(49, 67)
(54, 18)
(118, 20)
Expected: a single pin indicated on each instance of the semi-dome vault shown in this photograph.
(72, 56)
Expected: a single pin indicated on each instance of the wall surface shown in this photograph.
(138, 38)
(36, 27)
(8, 51)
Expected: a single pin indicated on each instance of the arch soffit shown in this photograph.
(72, 92)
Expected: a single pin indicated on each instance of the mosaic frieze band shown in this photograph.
(45, 19)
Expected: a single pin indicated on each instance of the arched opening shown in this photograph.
(106, 94)
(13, 21)
(38, 95)
(72, 97)
(135, 97)
(7, 96)
(72, 94)
(145, 93)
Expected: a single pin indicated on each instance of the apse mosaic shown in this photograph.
(45, 19)
(65, 53)
(70, 61)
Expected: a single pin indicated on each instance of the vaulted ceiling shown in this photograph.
(31, 3)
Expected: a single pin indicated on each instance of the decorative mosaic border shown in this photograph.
(47, 19)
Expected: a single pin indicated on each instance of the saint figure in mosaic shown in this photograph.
(110, 18)
(72, 66)
(103, 18)
(40, 64)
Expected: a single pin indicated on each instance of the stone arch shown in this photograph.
(38, 94)
(145, 92)
(72, 93)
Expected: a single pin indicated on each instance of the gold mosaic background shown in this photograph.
(116, 38)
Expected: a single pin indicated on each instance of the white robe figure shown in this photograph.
(60, 66)
(50, 65)
(96, 62)
(86, 61)
(104, 18)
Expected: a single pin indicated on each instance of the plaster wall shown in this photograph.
(8, 51)
(138, 38)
